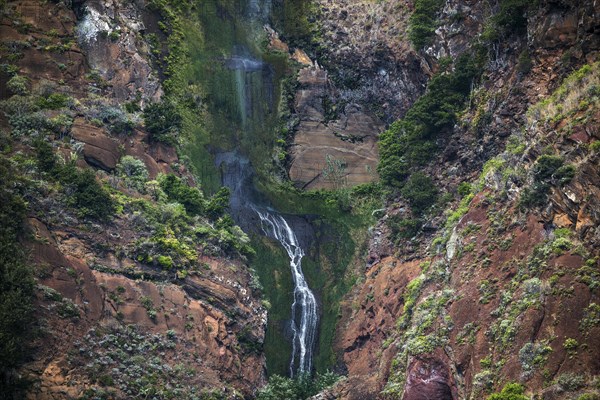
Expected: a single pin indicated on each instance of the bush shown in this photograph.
(298, 388)
(53, 101)
(23, 115)
(511, 391)
(524, 62)
(16, 282)
(545, 167)
(177, 190)
(115, 119)
(464, 189)
(134, 172)
(85, 193)
(423, 23)
(548, 171)
(46, 158)
(512, 16)
(420, 192)
(570, 382)
(218, 203)
(403, 228)
(18, 85)
(163, 121)
(411, 141)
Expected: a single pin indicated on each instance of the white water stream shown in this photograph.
(304, 306)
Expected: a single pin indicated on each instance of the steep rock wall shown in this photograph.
(491, 299)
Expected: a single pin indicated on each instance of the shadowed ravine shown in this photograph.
(252, 82)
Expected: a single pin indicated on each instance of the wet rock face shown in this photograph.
(94, 297)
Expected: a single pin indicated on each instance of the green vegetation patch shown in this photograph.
(409, 142)
(511, 391)
(298, 388)
(423, 22)
(16, 280)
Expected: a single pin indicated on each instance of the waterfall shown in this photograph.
(304, 306)
(244, 104)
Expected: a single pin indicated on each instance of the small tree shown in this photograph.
(420, 192)
(512, 391)
(178, 190)
(134, 172)
(162, 121)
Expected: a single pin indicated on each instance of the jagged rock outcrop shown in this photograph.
(110, 33)
(366, 50)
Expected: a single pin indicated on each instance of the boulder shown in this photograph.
(99, 149)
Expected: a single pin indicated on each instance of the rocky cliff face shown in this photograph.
(115, 319)
(496, 281)
(503, 286)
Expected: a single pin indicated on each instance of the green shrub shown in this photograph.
(534, 196)
(570, 382)
(589, 396)
(23, 115)
(177, 190)
(548, 170)
(511, 391)
(524, 62)
(298, 388)
(18, 85)
(420, 192)
(46, 158)
(464, 189)
(134, 172)
(162, 121)
(411, 141)
(570, 345)
(218, 203)
(545, 167)
(85, 193)
(16, 282)
(403, 228)
(53, 101)
(114, 118)
(423, 22)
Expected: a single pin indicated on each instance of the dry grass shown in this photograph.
(579, 92)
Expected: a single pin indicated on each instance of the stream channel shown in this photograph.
(243, 90)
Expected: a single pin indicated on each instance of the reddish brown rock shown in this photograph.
(428, 378)
(99, 149)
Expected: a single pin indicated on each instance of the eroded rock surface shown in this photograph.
(331, 151)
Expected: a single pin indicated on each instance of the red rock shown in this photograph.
(100, 150)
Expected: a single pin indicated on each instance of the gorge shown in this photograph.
(293, 199)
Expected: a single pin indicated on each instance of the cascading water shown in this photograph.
(304, 306)
(242, 90)
(237, 176)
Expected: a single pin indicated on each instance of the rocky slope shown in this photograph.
(503, 285)
(151, 297)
